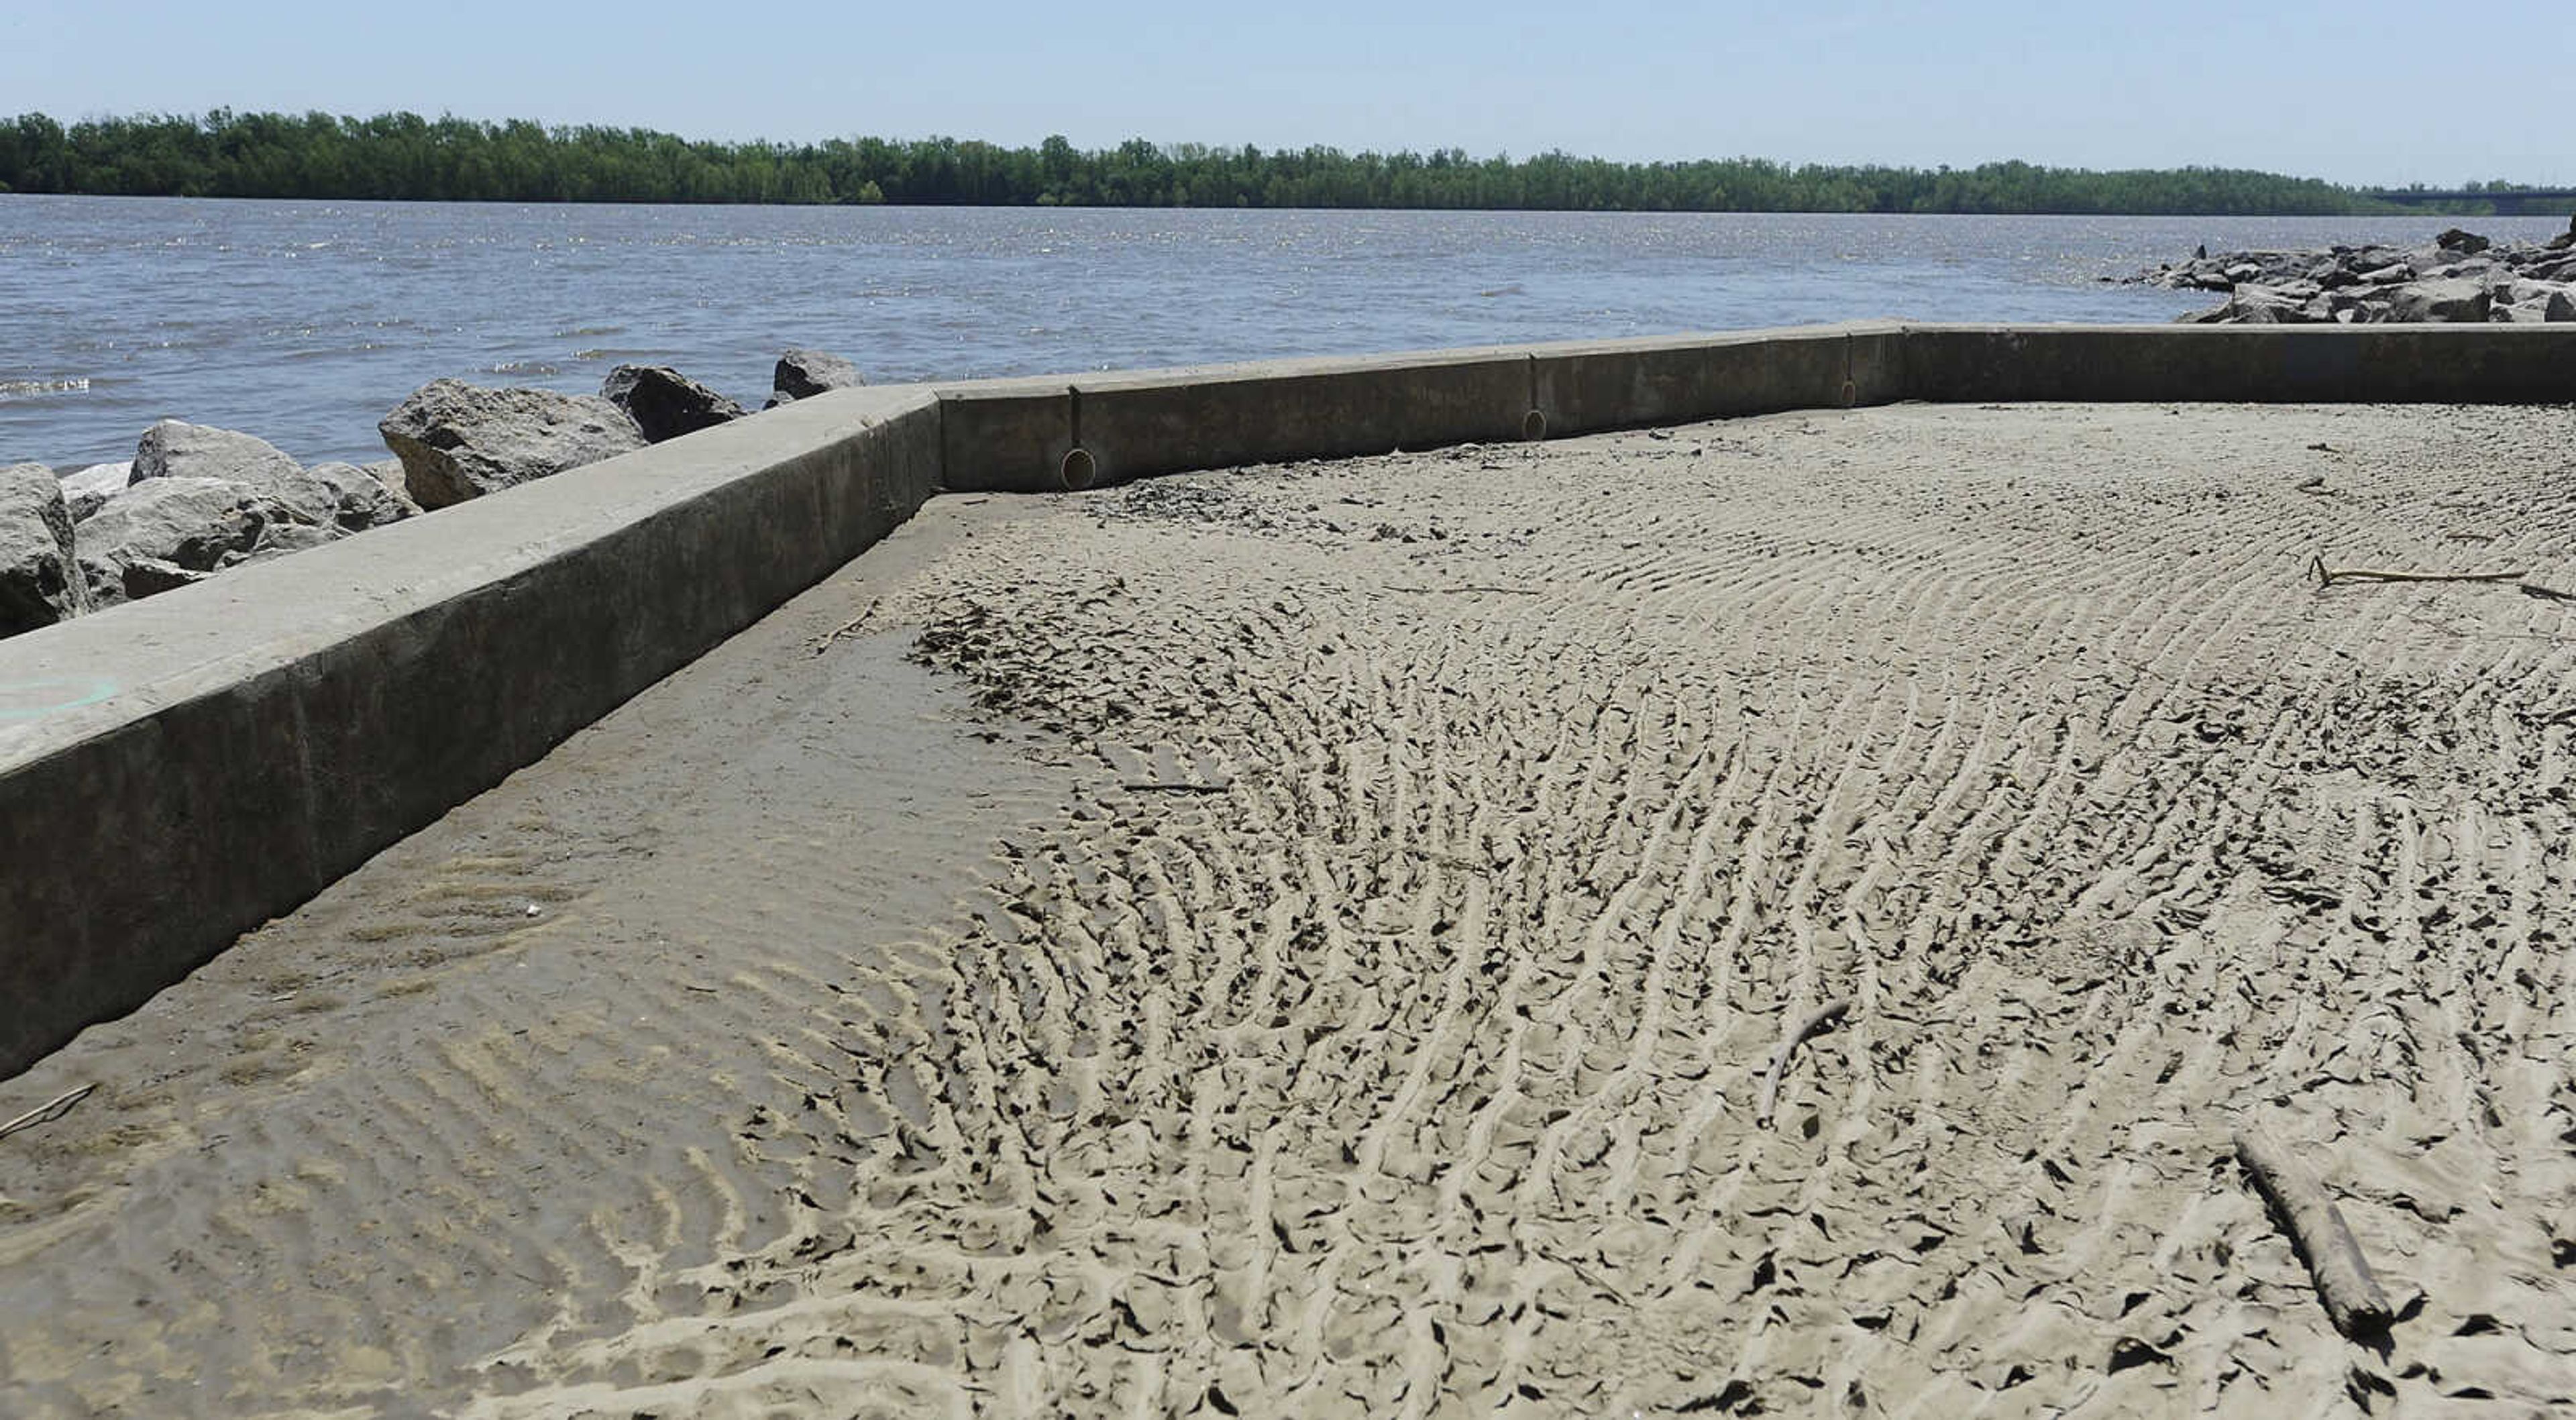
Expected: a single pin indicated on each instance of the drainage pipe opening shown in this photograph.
(1533, 426)
(1078, 471)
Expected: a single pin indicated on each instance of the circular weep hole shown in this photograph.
(1078, 471)
(1533, 426)
(1851, 394)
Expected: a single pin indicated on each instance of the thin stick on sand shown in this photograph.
(1816, 1020)
(2328, 576)
(47, 1112)
(2351, 1295)
(843, 632)
(1476, 587)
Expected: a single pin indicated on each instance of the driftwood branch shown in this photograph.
(1816, 1020)
(2351, 1295)
(2328, 576)
(843, 632)
(47, 1112)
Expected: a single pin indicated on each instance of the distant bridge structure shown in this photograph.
(2516, 202)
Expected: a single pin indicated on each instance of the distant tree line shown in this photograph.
(404, 157)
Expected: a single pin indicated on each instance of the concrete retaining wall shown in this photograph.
(1166, 421)
(2386, 364)
(1016, 435)
(1008, 436)
(1624, 383)
(176, 771)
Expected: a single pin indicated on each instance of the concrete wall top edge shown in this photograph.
(123, 663)
(1373, 363)
(130, 662)
(999, 387)
(1302, 367)
(1018, 387)
(1701, 340)
(1106, 381)
(2391, 331)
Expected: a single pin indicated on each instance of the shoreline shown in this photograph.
(495, 297)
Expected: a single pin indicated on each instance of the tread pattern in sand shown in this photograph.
(513, 1084)
(1414, 1072)
(1381, 1031)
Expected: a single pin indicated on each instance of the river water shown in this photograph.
(304, 322)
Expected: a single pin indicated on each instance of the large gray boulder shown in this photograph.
(87, 490)
(361, 499)
(389, 472)
(2448, 299)
(459, 441)
(150, 577)
(2520, 292)
(802, 374)
(198, 525)
(2266, 305)
(37, 585)
(172, 449)
(2549, 305)
(198, 500)
(665, 403)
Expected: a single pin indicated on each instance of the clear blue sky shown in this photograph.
(2354, 92)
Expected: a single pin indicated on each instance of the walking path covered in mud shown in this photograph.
(1330, 940)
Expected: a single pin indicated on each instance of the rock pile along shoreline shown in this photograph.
(2458, 277)
(196, 500)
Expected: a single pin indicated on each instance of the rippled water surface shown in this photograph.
(304, 322)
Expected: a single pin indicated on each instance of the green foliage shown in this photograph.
(402, 156)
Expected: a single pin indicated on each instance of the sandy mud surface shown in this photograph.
(1320, 940)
